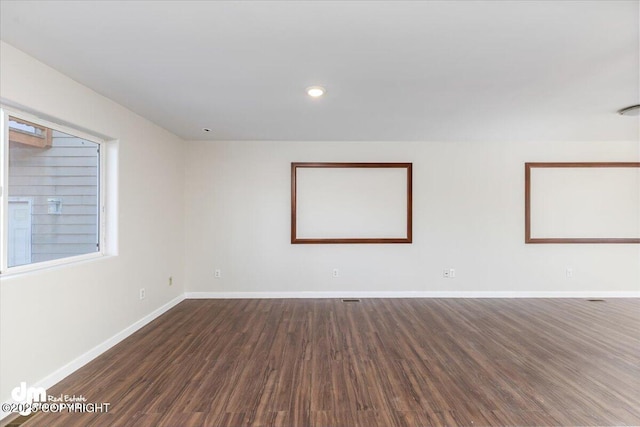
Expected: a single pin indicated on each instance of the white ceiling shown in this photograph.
(433, 70)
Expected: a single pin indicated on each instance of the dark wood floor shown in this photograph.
(380, 362)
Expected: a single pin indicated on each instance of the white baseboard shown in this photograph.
(96, 351)
(410, 294)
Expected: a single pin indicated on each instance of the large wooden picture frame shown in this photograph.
(351, 203)
(589, 202)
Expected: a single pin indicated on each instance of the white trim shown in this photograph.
(4, 179)
(102, 189)
(35, 118)
(96, 351)
(21, 269)
(412, 294)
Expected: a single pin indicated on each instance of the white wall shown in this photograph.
(50, 317)
(468, 214)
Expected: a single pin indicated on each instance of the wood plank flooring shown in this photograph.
(379, 362)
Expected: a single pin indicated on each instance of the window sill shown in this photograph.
(47, 265)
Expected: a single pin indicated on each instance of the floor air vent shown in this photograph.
(595, 300)
(350, 300)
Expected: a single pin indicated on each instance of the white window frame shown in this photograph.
(5, 270)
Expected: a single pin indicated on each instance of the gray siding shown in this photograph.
(68, 170)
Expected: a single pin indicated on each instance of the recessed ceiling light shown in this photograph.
(315, 91)
(634, 110)
(206, 130)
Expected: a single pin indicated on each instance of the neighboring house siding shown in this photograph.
(68, 171)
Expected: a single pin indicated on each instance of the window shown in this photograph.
(51, 194)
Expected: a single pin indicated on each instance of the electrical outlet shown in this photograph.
(217, 273)
(143, 293)
(336, 272)
(170, 280)
(446, 273)
(569, 272)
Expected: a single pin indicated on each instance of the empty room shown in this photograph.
(319, 213)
